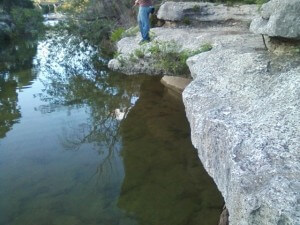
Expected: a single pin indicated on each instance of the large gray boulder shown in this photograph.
(206, 12)
(244, 112)
(279, 18)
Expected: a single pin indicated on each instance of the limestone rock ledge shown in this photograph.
(215, 24)
(243, 106)
(189, 38)
(244, 112)
(206, 12)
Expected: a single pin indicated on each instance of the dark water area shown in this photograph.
(81, 145)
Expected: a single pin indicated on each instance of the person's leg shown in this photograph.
(147, 23)
(140, 22)
(144, 22)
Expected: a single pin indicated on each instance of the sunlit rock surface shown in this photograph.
(244, 112)
(218, 33)
(279, 18)
(188, 38)
(206, 12)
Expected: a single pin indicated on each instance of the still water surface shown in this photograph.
(81, 145)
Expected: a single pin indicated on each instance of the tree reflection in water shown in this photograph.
(74, 77)
(9, 112)
(165, 182)
(15, 73)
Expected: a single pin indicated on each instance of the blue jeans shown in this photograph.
(144, 22)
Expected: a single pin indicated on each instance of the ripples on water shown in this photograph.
(81, 145)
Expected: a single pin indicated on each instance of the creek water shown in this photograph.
(82, 145)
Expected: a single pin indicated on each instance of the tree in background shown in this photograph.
(27, 20)
(9, 4)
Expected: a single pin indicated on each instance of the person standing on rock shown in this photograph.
(145, 8)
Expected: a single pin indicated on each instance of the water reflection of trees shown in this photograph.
(15, 73)
(17, 55)
(9, 112)
(164, 182)
(74, 77)
(101, 94)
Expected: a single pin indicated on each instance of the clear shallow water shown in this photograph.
(80, 145)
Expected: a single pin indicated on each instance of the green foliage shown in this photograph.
(28, 22)
(116, 54)
(133, 58)
(9, 4)
(92, 31)
(196, 8)
(170, 57)
(155, 49)
(260, 2)
(295, 49)
(186, 21)
(117, 34)
(204, 48)
(139, 53)
(74, 6)
(14, 59)
(121, 60)
(154, 21)
(132, 31)
(96, 33)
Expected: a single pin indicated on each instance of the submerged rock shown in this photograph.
(244, 112)
(176, 84)
(279, 18)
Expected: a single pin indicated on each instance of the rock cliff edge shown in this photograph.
(243, 103)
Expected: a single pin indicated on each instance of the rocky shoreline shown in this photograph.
(243, 102)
